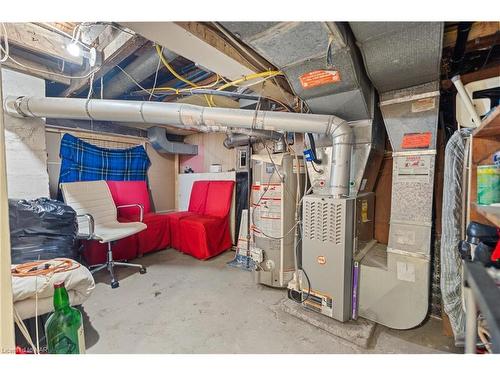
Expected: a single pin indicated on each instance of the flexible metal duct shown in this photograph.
(403, 61)
(141, 68)
(452, 223)
(398, 55)
(197, 117)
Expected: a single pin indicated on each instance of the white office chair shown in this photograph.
(97, 219)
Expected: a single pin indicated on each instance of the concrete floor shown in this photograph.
(183, 305)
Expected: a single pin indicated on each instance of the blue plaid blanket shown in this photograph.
(81, 161)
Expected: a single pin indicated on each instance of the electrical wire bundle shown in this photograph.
(44, 267)
(483, 333)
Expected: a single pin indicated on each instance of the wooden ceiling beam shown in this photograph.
(37, 39)
(478, 30)
(485, 73)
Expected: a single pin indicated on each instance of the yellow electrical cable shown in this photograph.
(170, 69)
(209, 99)
(218, 78)
(265, 75)
(175, 74)
(268, 74)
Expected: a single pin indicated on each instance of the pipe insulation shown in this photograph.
(199, 118)
(243, 137)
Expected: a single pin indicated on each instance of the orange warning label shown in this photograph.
(317, 78)
(416, 140)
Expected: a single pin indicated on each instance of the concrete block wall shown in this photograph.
(26, 152)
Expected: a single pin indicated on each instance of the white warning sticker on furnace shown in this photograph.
(413, 168)
(266, 215)
(405, 271)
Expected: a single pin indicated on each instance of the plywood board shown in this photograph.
(383, 190)
(210, 151)
(161, 178)
(438, 181)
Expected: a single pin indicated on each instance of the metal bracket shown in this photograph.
(91, 223)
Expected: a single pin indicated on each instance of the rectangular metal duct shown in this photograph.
(403, 62)
(398, 55)
(159, 139)
(410, 112)
(300, 49)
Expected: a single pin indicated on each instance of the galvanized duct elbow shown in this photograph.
(160, 142)
(342, 140)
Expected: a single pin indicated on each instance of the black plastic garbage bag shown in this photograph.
(42, 229)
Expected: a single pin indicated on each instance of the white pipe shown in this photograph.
(466, 99)
(197, 117)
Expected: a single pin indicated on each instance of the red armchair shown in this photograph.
(204, 231)
(155, 237)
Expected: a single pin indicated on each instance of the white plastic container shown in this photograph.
(215, 168)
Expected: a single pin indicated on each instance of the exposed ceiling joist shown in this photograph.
(485, 73)
(478, 30)
(40, 40)
(123, 45)
(200, 44)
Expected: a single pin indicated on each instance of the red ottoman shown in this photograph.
(197, 202)
(207, 235)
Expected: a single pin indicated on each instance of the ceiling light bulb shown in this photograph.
(74, 49)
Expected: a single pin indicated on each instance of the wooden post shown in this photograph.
(7, 344)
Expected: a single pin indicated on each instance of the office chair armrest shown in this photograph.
(91, 222)
(141, 209)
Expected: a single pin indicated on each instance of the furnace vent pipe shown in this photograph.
(466, 99)
(197, 117)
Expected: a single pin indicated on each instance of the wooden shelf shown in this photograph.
(492, 213)
(490, 126)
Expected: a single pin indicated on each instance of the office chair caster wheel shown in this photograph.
(115, 284)
(142, 271)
